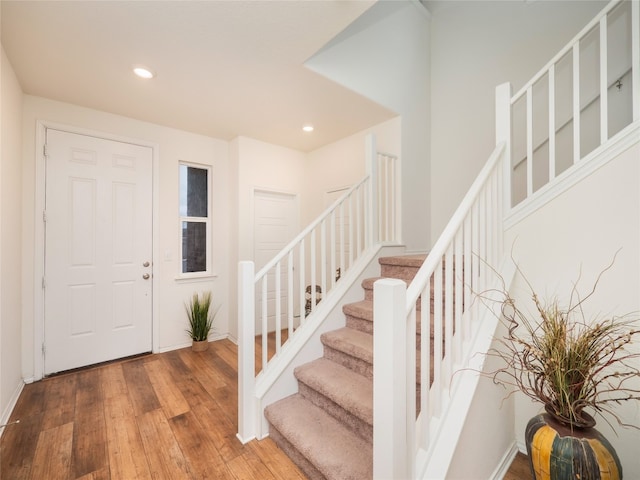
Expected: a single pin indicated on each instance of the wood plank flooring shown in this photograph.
(519, 469)
(168, 416)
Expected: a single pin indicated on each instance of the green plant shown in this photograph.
(565, 361)
(200, 318)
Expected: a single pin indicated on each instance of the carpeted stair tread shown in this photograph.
(327, 427)
(349, 390)
(362, 309)
(367, 283)
(332, 449)
(414, 261)
(350, 347)
(403, 267)
(351, 342)
(367, 286)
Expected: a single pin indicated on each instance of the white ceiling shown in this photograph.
(224, 68)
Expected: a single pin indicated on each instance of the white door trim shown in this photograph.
(39, 238)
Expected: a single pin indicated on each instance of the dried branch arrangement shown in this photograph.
(566, 362)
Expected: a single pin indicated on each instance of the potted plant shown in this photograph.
(200, 320)
(577, 369)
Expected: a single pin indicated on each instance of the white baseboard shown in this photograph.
(172, 348)
(505, 462)
(6, 415)
(213, 338)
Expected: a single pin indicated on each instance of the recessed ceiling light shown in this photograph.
(308, 128)
(143, 72)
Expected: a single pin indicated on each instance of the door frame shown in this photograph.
(39, 233)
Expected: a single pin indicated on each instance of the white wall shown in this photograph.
(476, 46)
(10, 238)
(488, 430)
(342, 164)
(239, 168)
(263, 166)
(581, 230)
(171, 147)
(258, 166)
(384, 55)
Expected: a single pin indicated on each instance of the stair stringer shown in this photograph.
(279, 382)
(445, 432)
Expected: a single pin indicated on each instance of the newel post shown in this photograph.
(246, 352)
(503, 134)
(390, 445)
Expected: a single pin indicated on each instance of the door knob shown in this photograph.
(145, 264)
(146, 276)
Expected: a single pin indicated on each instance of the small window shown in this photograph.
(194, 218)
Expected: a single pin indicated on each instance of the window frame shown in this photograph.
(206, 220)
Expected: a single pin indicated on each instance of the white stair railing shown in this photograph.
(566, 112)
(456, 266)
(283, 296)
(406, 435)
(532, 150)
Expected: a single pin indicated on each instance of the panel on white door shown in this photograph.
(98, 238)
(275, 225)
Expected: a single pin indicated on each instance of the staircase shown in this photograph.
(327, 427)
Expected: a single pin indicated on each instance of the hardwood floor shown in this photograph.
(519, 469)
(166, 416)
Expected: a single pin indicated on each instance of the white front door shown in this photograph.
(275, 225)
(98, 250)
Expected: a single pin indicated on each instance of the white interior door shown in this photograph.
(275, 225)
(98, 250)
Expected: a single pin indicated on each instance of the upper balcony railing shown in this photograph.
(583, 97)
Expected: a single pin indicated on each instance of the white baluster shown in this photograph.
(604, 83)
(576, 102)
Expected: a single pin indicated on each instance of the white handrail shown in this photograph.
(610, 6)
(448, 234)
(312, 226)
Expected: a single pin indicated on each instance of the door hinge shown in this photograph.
(45, 150)
(44, 350)
(44, 216)
(44, 283)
